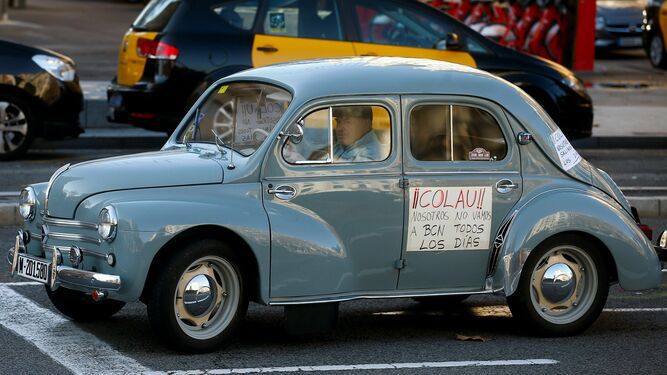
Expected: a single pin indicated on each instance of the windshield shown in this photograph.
(156, 15)
(241, 115)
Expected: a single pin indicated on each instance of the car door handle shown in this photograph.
(283, 192)
(505, 186)
(267, 48)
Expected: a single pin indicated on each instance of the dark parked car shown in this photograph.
(177, 48)
(655, 32)
(40, 96)
(618, 24)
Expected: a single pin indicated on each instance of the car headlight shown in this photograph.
(599, 23)
(574, 83)
(107, 222)
(55, 66)
(27, 203)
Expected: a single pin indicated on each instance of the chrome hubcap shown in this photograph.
(13, 127)
(207, 297)
(564, 284)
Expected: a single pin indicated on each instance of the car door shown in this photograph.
(392, 28)
(298, 30)
(336, 214)
(463, 172)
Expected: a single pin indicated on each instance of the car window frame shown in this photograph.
(251, 30)
(495, 110)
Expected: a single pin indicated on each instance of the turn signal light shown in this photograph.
(156, 50)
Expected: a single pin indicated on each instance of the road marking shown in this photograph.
(370, 366)
(77, 350)
(21, 283)
(645, 309)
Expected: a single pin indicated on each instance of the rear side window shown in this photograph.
(156, 15)
(455, 133)
(303, 18)
(240, 14)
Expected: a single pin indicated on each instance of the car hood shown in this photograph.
(146, 170)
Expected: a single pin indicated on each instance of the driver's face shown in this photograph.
(350, 129)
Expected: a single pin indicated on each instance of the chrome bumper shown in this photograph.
(67, 276)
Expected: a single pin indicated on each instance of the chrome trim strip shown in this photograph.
(74, 237)
(65, 250)
(55, 175)
(323, 176)
(378, 295)
(444, 173)
(69, 223)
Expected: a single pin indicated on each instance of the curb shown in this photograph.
(648, 207)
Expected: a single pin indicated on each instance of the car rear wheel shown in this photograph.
(562, 289)
(17, 126)
(80, 307)
(198, 300)
(657, 53)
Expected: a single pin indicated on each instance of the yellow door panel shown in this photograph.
(663, 21)
(130, 64)
(269, 49)
(371, 49)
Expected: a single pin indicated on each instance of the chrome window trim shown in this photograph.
(444, 173)
(324, 176)
(55, 175)
(69, 223)
(74, 237)
(65, 250)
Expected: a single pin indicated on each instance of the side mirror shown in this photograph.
(294, 132)
(450, 43)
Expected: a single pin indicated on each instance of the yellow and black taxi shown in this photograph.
(655, 32)
(177, 48)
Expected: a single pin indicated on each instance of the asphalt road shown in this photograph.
(369, 332)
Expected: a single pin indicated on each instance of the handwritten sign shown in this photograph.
(449, 218)
(569, 157)
(252, 116)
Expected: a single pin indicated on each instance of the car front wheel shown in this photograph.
(657, 53)
(563, 287)
(17, 126)
(198, 300)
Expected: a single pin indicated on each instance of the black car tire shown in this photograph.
(80, 307)
(543, 305)
(657, 53)
(15, 111)
(215, 310)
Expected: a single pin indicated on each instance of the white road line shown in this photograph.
(77, 350)
(21, 283)
(645, 309)
(370, 366)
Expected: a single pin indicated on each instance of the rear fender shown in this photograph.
(570, 210)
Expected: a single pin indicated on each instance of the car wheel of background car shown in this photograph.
(563, 287)
(17, 126)
(80, 307)
(198, 300)
(442, 300)
(657, 53)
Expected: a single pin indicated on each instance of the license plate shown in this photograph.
(32, 268)
(630, 42)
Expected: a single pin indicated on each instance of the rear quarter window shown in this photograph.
(156, 15)
(239, 14)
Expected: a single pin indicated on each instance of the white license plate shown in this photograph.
(32, 268)
(630, 42)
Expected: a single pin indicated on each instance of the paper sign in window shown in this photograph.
(569, 157)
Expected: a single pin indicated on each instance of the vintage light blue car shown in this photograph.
(311, 183)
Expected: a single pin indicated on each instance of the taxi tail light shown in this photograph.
(647, 231)
(156, 50)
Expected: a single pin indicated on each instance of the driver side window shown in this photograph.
(385, 22)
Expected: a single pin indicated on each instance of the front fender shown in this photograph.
(150, 218)
(570, 210)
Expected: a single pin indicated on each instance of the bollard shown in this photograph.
(4, 16)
